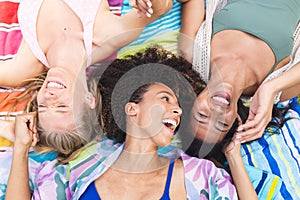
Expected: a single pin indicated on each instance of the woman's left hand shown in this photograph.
(232, 149)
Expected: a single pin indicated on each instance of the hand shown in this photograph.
(232, 149)
(25, 131)
(144, 7)
(260, 114)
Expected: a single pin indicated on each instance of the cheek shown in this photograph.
(153, 121)
(39, 97)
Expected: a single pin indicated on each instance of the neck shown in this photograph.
(239, 80)
(67, 53)
(139, 156)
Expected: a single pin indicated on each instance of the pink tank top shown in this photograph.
(27, 16)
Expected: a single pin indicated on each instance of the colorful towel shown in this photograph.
(10, 39)
(279, 154)
(157, 32)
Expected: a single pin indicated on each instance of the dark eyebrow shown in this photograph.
(166, 93)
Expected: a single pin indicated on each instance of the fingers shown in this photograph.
(251, 131)
(144, 7)
(25, 130)
(253, 122)
(28, 119)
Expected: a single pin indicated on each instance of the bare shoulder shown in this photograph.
(177, 189)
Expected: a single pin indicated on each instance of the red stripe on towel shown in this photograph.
(8, 12)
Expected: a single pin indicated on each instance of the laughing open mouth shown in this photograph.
(170, 123)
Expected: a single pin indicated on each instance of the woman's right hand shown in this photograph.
(25, 131)
(260, 114)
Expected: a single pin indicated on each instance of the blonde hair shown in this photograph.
(66, 143)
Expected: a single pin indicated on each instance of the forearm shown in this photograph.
(241, 179)
(18, 182)
(23, 66)
(192, 17)
(288, 83)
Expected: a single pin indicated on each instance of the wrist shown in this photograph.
(20, 150)
(234, 160)
(272, 87)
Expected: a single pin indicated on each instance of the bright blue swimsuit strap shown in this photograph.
(90, 193)
(167, 187)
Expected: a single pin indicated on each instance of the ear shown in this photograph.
(131, 109)
(91, 100)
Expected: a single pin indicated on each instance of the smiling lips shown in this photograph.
(221, 98)
(55, 85)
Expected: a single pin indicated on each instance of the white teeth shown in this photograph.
(220, 99)
(170, 121)
(55, 85)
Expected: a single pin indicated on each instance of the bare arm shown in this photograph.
(288, 83)
(262, 103)
(18, 181)
(193, 14)
(119, 31)
(239, 174)
(23, 66)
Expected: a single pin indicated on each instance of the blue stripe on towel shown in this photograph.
(284, 192)
(295, 146)
(169, 22)
(271, 161)
(261, 183)
(247, 153)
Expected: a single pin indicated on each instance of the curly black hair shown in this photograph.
(122, 79)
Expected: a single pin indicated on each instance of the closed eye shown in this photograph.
(202, 115)
(223, 123)
(61, 106)
(201, 118)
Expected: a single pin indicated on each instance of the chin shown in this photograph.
(164, 142)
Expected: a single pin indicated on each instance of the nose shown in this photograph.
(177, 110)
(50, 95)
(203, 106)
